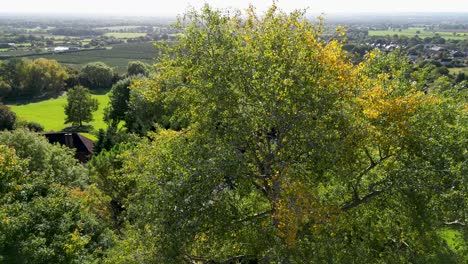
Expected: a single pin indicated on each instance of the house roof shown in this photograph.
(83, 145)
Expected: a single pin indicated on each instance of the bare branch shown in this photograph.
(456, 222)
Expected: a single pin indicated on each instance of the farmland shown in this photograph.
(125, 35)
(116, 56)
(421, 32)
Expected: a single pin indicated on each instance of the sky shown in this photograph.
(175, 7)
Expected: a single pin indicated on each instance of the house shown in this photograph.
(437, 49)
(61, 49)
(83, 145)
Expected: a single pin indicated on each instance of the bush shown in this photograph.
(7, 118)
(34, 127)
(137, 68)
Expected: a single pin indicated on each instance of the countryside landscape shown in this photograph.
(240, 133)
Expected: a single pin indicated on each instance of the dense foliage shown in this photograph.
(29, 78)
(80, 106)
(118, 104)
(138, 68)
(258, 139)
(47, 215)
(96, 75)
(292, 153)
(7, 118)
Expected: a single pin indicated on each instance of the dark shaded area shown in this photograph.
(84, 146)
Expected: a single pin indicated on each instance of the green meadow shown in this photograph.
(50, 113)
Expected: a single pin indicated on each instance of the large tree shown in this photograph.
(31, 77)
(80, 106)
(96, 75)
(137, 68)
(42, 76)
(118, 102)
(47, 213)
(293, 153)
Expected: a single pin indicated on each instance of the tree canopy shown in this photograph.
(292, 153)
(31, 77)
(47, 213)
(137, 68)
(80, 106)
(7, 118)
(96, 75)
(257, 139)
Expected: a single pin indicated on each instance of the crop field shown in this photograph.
(118, 56)
(124, 35)
(412, 31)
(50, 113)
(117, 28)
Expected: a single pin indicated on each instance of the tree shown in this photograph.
(48, 213)
(118, 103)
(7, 118)
(32, 77)
(137, 68)
(41, 76)
(5, 88)
(80, 106)
(292, 153)
(107, 173)
(11, 73)
(96, 75)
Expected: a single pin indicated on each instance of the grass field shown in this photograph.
(124, 35)
(50, 113)
(117, 57)
(410, 32)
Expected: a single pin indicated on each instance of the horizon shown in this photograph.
(347, 14)
(149, 8)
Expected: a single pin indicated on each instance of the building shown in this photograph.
(61, 49)
(83, 145)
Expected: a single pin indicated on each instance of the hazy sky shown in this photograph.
(173, 7)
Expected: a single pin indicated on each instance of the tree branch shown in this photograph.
(356, 202)
(252, 217)
(456, 222)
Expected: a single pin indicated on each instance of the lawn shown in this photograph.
(412, 31)
(50, 113)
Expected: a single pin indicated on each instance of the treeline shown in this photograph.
(77, 32)
(27, 79)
